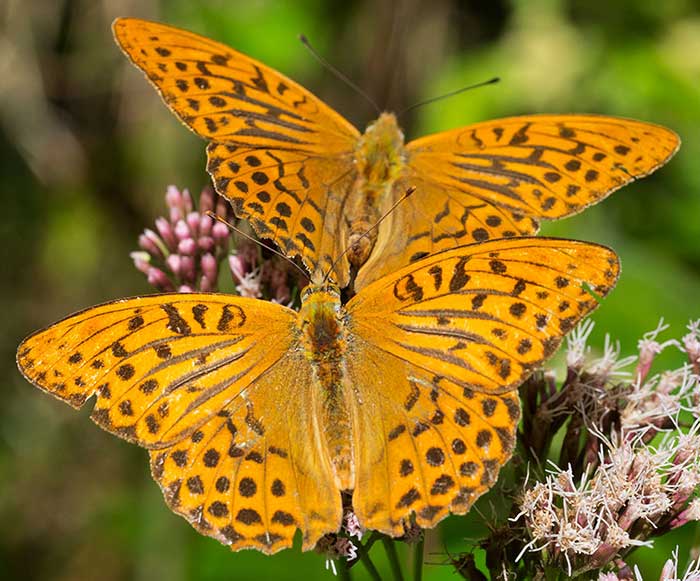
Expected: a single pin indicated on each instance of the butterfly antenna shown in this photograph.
(254, 240)
(337, 73)
(367, 232)
(450, 94)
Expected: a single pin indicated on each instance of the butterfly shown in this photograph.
(307, 179)
(257, 417)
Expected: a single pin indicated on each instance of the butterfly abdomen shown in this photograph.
(323, 337)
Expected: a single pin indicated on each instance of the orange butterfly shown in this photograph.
(306, 178)
(257, 417)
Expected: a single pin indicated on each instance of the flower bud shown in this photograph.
(206, 201)
(182, 231)
(175, 214)
(220, 232)
(187, 247)
(158, 279)
(192, 220)
(142, 261)
(223, 208)
(187, 204)
(205, 224)
(152, 244)
(187, 269)
(174, 262)
(206, 243)
(238, 267)
(173, 197)
(166, 232)
(209, 266)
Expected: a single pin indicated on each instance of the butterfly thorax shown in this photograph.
(322, 335)
(379, 162)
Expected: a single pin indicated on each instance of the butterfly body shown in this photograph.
(324, 339)
(307, 179)
(379, 161)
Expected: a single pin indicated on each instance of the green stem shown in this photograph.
(367, 562)
(343, 570)
(390, 549)
(373, 538)
(418, 559)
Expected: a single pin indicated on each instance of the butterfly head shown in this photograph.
(320, 292)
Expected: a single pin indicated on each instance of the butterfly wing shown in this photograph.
(278, 153)
(255, 473)
(215, 388)
(438, 351)
(500, 178)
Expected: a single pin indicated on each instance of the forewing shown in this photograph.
(295, 198)
(501, 178)
(444, 345)
(277, 152)
(224, 95)
(213, 385)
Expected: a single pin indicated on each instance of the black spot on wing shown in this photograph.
(175, 321)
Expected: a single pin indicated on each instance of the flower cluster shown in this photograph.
(258, 278)
(184, 251)
(339, 545)
(631, 453)
(187, 250)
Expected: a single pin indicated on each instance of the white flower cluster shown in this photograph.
(645, 476)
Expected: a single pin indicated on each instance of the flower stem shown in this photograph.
(373, 538)
(343, 570)
(418, 559)
(390, 549)
(367, 562)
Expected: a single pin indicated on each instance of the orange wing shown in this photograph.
(500, 178)
(439, 349)
(213, 386)
(278, 153)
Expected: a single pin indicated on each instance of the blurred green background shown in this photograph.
(87, 149)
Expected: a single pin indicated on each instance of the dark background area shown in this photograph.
(87, 149)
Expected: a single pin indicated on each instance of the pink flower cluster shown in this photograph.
(184, 251)
(187, 250)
